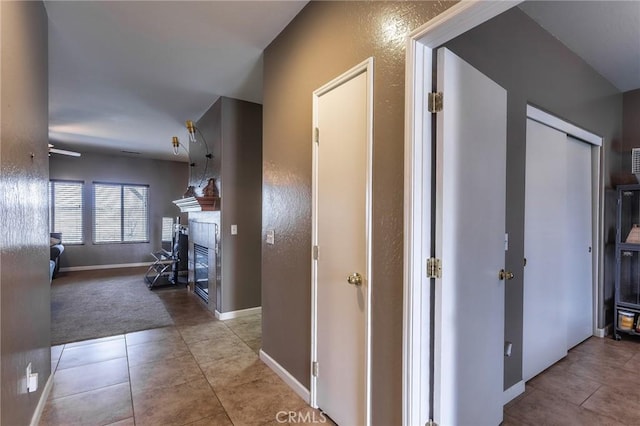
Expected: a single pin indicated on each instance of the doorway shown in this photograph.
(341, 234)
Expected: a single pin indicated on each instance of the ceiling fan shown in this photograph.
(53, 150)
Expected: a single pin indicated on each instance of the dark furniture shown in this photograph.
(56, 248)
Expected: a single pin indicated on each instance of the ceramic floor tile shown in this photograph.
(212, 350)
(177, 405)
(56, 352)
(221, 419)
(156, 351)
(633, 365)
(258, 402)
(620, 404)
(89, 354)
(156, 375)
(541, 408)
(152, 335)
(99, 407)
(89, 377)
(562, 384)
(255, 344)
(94, 341)
(125, 422)
(236, 370)
(206, 331)
(247, 331)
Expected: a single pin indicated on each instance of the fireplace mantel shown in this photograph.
(198, 204)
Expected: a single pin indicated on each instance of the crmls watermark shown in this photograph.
(300, 417)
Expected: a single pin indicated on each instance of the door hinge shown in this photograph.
(434, 268)
(315, 252)
(434, 102)
(315, 367)
(316, 135)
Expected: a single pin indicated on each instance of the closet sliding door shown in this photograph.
(557, 311)
(544, 321)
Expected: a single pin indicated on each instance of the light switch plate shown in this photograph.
(271, 236)
(234, 229)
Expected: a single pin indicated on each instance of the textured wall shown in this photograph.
(322, 42)
(24, 235)
(534, 67)
(167, 181)
(233, 131)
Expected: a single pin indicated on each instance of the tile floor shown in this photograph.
(199, 372)
(202, 371)
(598, 383)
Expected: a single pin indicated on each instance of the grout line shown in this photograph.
(133, 409)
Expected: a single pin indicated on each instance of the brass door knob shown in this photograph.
(355, 279)
(505, 275)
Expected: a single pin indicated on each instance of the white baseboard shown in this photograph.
(293, 383)
(112, 266)
(513, 392)
(236, 314)
(35, 419)
(603, 332)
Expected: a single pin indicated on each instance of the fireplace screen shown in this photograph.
(201, 272)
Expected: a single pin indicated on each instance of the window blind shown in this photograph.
(121, 213)
(167, 229)
(65, 210)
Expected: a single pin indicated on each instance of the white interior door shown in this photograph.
(579, 254)
(470, 227)
(342, 234)
(544, 309)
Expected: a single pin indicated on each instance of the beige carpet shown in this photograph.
(91, 304)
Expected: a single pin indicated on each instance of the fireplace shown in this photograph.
(201, 271)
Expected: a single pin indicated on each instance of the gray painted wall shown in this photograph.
(322, 42)
(534, 67)
(233, 131)
(167, 181)
(24, 236)
(630, 127)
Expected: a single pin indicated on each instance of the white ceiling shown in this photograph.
(123, 76)
(606, 34)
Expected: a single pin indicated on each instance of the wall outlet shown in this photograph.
(234, 229)
(271, 236)
(32, 379)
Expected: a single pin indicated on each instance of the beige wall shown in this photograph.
(24, 234)
(233, 131)
(322, 42)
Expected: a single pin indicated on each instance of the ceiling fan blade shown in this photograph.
(64, 152)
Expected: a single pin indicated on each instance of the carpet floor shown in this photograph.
(92, 304)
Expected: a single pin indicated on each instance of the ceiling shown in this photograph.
(125, 75)
(605, 34)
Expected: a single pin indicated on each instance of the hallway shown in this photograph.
(201, 371)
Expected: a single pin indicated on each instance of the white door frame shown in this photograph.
(365, 66)
(597, 189)
(421, 43)
(456, 20)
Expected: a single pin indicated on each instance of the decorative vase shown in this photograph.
(191, 192)
(211, 190)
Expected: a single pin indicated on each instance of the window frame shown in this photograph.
(122, 186)
(52, 209)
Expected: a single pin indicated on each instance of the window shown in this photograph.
(121, 213)
(167, 229)
(65, 210)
